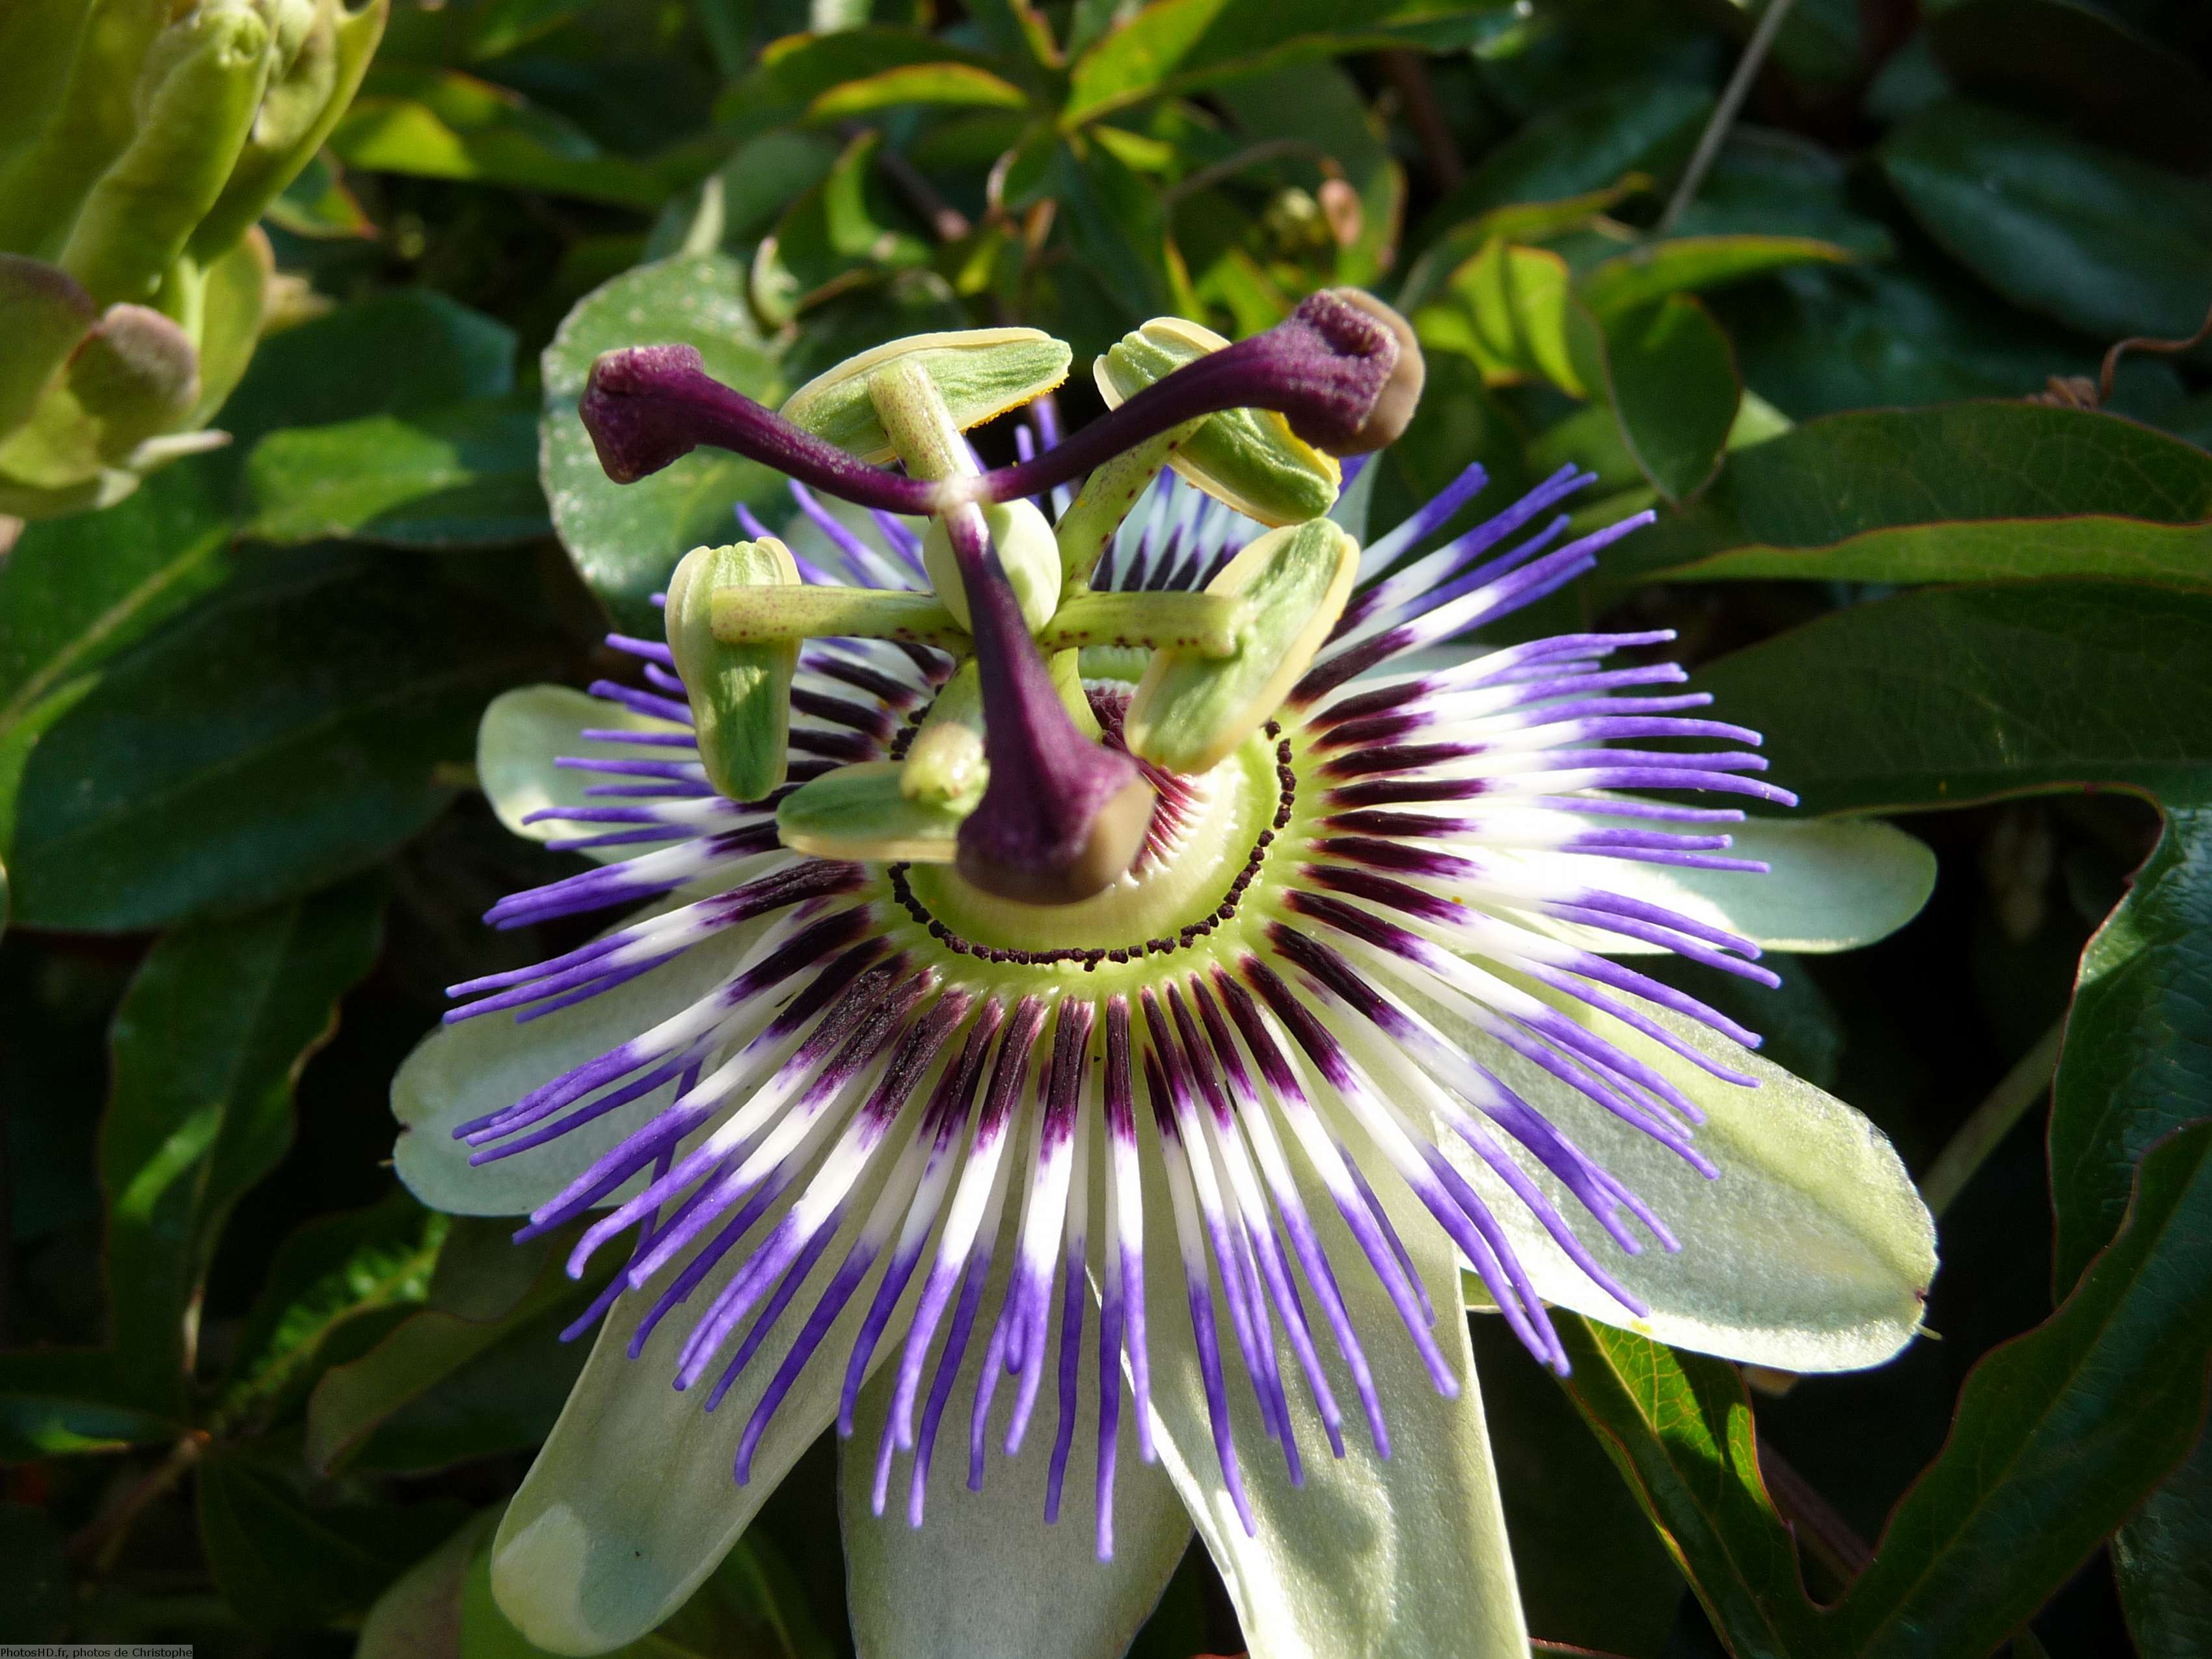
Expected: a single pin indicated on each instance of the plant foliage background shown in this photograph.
(253, 1397)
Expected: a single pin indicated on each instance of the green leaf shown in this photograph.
(207, 1044)
(78, 590)
(1679, 1428)
(1667, 369)
(487, 1290)
(1178, 45)
(1969, 693)
(334, 1271)
(959, 85)
(283, 734)
(2134, 1070)
(2097, 240)
(1590, 144)
(1506, 310)
(1116, 227)
(403, 351)
(838, 235)
(34, 1602)
(626, 538)
(1969, 492)
(800, 71)
(2116, 85)
(2059, 1433)
(1683, 265)
(462, 476)
(289, 1563)
(443, 124)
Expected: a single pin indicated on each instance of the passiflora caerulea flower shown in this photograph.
(1107, 993)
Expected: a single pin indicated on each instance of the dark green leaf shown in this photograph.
(463, 476)
(488, 1290)
(287, 1563)
(333, 1271)
(1965, 694)
(1767, 182)
(625, 538)
(1679, 1428)
(283, 734)
(1644, 127)
(1177, 46)
(2162, 1557)
(401, 352)
(1683, 265)
(2115, 83)
(449, 126)
(2059, 1433)
(1968, 492)
(75, 591)
(2097, 240)
(207, 1045)
(835, 237)
(1115, 221)
(35, 1593)
(1666, 370)
(58, 1402)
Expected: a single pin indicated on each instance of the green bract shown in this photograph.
(1248, 458)
(141, 140)
(740, 694)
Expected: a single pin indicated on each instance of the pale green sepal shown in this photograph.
(631, 1504)
(1205, 625)
(1191, 708)
(462, 1072)
(861, 812)
(1248, 458)
(945, 762)
(740, 693)
(1831, 885)
(521, 734)
(981, 374)
(1027, 552)
(1402, 1557)
(1811, 1252)
(984, 1576)
(752, 616)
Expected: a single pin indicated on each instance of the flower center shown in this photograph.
(1208, 842)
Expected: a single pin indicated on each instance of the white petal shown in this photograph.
(1811, 1252)
(1400, 1558)
(632, 1503)
(461, 1072)
(1832, 885)
(983, 1577)
(521, 734)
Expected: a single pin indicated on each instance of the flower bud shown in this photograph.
(981, 374)
(740, 694)
(1248, 458)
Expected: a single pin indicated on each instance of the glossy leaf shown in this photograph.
(1589, 143)
(1967, 694)
(1667, 369)
(207, 1046)
(1691, 263)
(449, 126)
(1178, 45)
(2099, 240)
(462, 476)
(626, 538)
(1506, 309)
(1678, 1427)
(1970, 492)
(2059, 1433)
(283, 734)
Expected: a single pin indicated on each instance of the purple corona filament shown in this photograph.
(868, 1145)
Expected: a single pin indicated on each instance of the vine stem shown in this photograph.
(1993, 1119)
(1724, 113)
(102, 1541)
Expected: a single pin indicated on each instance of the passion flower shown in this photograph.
(1197, 1156)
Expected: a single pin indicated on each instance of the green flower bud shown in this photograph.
(740, 694)
(1191, 710)
(1027, 548)
(981, 374)
(1249, 458)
